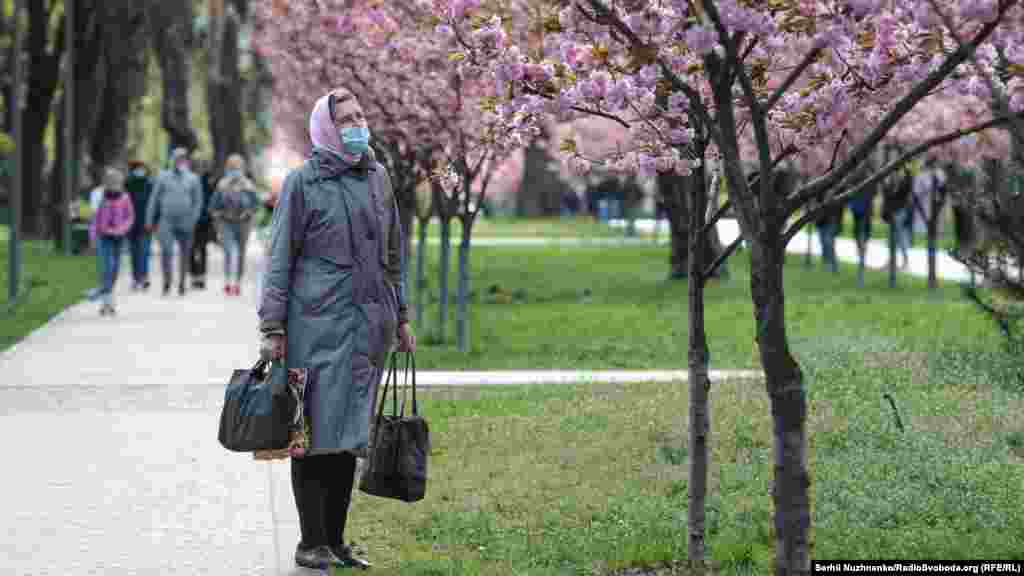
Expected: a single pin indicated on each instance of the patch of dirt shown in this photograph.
(916, 361)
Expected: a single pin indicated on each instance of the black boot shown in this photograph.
(342, 556)
(317, 557)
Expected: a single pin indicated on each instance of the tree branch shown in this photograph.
(888, 169)
(899, 110)
(794, 75)
(721, 258)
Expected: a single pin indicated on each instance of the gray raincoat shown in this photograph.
(333, 286)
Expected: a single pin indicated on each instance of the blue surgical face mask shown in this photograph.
(355, 139)
(139, 172)
(233, 173)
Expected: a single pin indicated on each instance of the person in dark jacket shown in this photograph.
(204, 232)
(862, 208)
(333, 303)
(139, 186)
(896, 211)
(828, 225)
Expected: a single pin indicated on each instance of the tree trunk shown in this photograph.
(33, 216)
(224, 85)
(785, 386)
(172, 40)
(670, 189)
(44, 51)
(462, 313)
(700, 384)
(421, 253)
(124, 37)
(446, 249)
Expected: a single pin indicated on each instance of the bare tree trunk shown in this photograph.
(172, 40)
(124, 60)
(676, 210)
(446, 249)
(224, 84)
(700, 384)
(421, 253)
(785, 386)
(44, 50)
(462, 313)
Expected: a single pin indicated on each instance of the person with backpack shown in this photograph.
(232, 209)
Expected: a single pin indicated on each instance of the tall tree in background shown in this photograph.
(171, 29)
(111, 39)
(224, 89)
(44, 46)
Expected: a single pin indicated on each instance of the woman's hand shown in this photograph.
(406, 339)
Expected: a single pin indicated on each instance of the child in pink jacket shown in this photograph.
(113, 221)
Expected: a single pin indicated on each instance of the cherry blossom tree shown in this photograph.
(747, 85)
(424, 117)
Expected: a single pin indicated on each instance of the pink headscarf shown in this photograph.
(323, 132)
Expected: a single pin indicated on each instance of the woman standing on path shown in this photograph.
(333, 303)
(232, 208)
(114, 219)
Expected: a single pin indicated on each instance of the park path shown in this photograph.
(114, 424)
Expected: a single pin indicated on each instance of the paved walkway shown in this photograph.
(113, 422)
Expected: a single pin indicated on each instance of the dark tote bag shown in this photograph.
(399, 444)
(257, 410)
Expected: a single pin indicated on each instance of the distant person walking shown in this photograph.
(204, 231)
(895, 207)
(174, 208)
(333, 303)
(114, 220)
(232, 209)
(139, 186)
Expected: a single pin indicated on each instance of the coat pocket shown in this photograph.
(380, 331)
(323, 287)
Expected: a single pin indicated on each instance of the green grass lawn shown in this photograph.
(592, 479)
(635, 319)
(54, 282)
(503, 226)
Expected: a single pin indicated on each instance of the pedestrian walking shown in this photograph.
(204, 230)
(895, 211)
(232, 209)
(173, 210)
(114, 219)
(828, 224)
(333, 303)
(139, 186)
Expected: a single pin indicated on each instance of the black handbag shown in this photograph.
(257, 410)
(397, 462)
